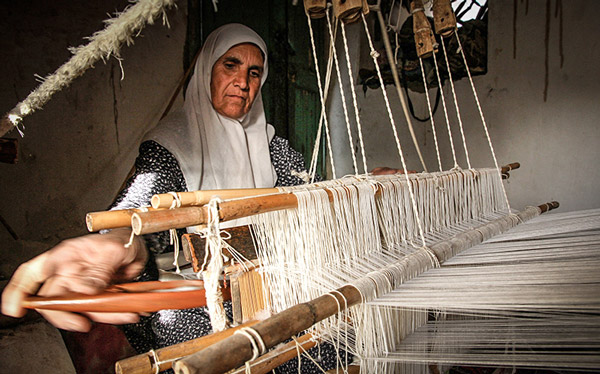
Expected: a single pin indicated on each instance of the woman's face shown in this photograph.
(235, 80)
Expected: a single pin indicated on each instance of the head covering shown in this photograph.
(214, 151)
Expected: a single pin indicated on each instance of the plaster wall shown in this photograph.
(78, 149)
(555, 138)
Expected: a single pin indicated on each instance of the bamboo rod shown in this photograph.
(146, 363)
(160, 220)
(300, 317)
(111, 219)
(165, 200)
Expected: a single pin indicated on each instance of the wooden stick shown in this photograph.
(160, 220)
(273, 330)
(300, 317)
(165, 200)
(111, 219)
(349, 11)
(139, 301)
(278, 356)
(145, 363)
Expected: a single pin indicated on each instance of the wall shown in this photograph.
(556, 139)
(77, 151)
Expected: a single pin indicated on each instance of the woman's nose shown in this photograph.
(241, 79)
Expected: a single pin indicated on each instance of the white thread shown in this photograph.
(487, 134)
(256, 341)
(342, 94)
(437, 148)
(440, 87)
(458, 116)
(354, 101)
(314, 49)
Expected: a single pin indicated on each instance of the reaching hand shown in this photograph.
(87, 264)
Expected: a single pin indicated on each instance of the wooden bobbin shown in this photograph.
(349, 11)
(444, 19)
(424, 39)
(315, 8)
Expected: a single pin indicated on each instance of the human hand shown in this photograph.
(87, 264)
(383, 170)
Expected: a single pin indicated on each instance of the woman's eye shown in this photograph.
(229, 65)
(255, 74)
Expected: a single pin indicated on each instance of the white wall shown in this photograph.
(556, 141)
(77, 150)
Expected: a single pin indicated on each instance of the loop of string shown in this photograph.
(214, 246)
(258, 345)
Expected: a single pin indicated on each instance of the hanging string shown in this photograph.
(487, 134)
(343, 95)
(458, 116)
(437, 73)
(374, 56)
(437, 148)
(354, 101)
(314, 50)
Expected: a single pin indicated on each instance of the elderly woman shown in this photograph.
(219, 139)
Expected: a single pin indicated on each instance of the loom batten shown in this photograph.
(202, 361)
(273, 331)
(199, 198)
(111, 219)
(145, 363)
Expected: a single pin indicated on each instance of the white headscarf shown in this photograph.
(213, 151)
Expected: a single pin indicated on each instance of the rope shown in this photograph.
(102, 45)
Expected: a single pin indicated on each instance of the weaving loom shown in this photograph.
(391, 267)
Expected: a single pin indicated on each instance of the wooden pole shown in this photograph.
(165, 200)
(111, 219)
(146, 363)
(160, 220)
(300, 317)
(273, 330)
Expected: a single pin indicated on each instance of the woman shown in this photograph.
(219, 139)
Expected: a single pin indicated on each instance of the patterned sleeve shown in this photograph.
(156, 171)
(287, 162)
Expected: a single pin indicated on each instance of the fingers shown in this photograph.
(114, 318)
(66, 320)
(26, 281)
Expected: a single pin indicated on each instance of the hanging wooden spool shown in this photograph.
(424, 39)
(444, 19)
(349, 11)
(315, 8)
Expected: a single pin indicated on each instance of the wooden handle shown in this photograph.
(444, 19)
(315, 8)
(349, 11)
(145, 363)
(198, 198)
(424, 39)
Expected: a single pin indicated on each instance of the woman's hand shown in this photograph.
(87, 264)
